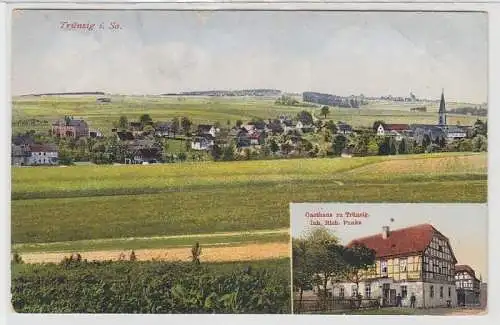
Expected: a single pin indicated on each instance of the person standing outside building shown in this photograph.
(413, 299)
(399, 300)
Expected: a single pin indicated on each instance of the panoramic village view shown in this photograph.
(158, 179)
(418, 268)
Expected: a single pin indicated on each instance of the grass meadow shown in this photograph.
(98, 202)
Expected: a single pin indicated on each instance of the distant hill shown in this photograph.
(83, 93)
(332, 100)
(220, 93)
(469, 110)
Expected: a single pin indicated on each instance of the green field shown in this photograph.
(208, 110)
(97, 202)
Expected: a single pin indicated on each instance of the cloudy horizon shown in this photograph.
(342, 53)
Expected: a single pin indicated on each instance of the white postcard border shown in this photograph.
(493, 169)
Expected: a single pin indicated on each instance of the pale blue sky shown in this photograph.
(344, 53)
(465, 225)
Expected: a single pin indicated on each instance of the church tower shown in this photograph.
(442, 110)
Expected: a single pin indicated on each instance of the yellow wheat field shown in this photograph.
(210, 254)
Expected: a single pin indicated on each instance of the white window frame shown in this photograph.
(403, 265)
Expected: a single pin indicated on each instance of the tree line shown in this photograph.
(319, 260)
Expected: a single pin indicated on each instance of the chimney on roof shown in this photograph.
(385, 232)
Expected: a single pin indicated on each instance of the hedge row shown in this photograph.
(148, 287)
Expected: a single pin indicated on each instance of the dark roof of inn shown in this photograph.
(403, 241)
(465, 268)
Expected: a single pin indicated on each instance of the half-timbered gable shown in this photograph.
(468, 286)
(439, 260)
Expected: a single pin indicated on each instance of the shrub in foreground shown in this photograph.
(148, 287)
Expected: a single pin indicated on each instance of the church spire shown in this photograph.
(442, 110)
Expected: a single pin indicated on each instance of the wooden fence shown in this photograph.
(315, 305)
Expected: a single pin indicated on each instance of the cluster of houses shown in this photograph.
(250, 135)
(25, 152)
(414, 261)
(434, 132)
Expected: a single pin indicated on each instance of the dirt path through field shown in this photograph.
(209, 254)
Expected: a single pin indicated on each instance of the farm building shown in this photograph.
(164, 129)
(257, 138)
(203, 142)
(206, 129)
(34, 154)
(468, 286)
(344, 128)
(392, 129)
(95, 134)
(70, 128)
(143, 151)
(274, 127)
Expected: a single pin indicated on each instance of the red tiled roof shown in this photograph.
(400, 241)
(465, 268)
(396, 127)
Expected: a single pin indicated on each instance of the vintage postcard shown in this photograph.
(154, 153)
(390, 259)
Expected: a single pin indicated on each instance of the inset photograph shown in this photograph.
(401, 259)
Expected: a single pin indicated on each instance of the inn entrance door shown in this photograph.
(392, 297)
(386, 288)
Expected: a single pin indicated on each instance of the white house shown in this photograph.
(392, 129)
(397, 135)
(207, 129)
(455, 133)
(410, 261)
(164, 129)
(95, 134)
(202, 142)
(249, 127)
(43, 154)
